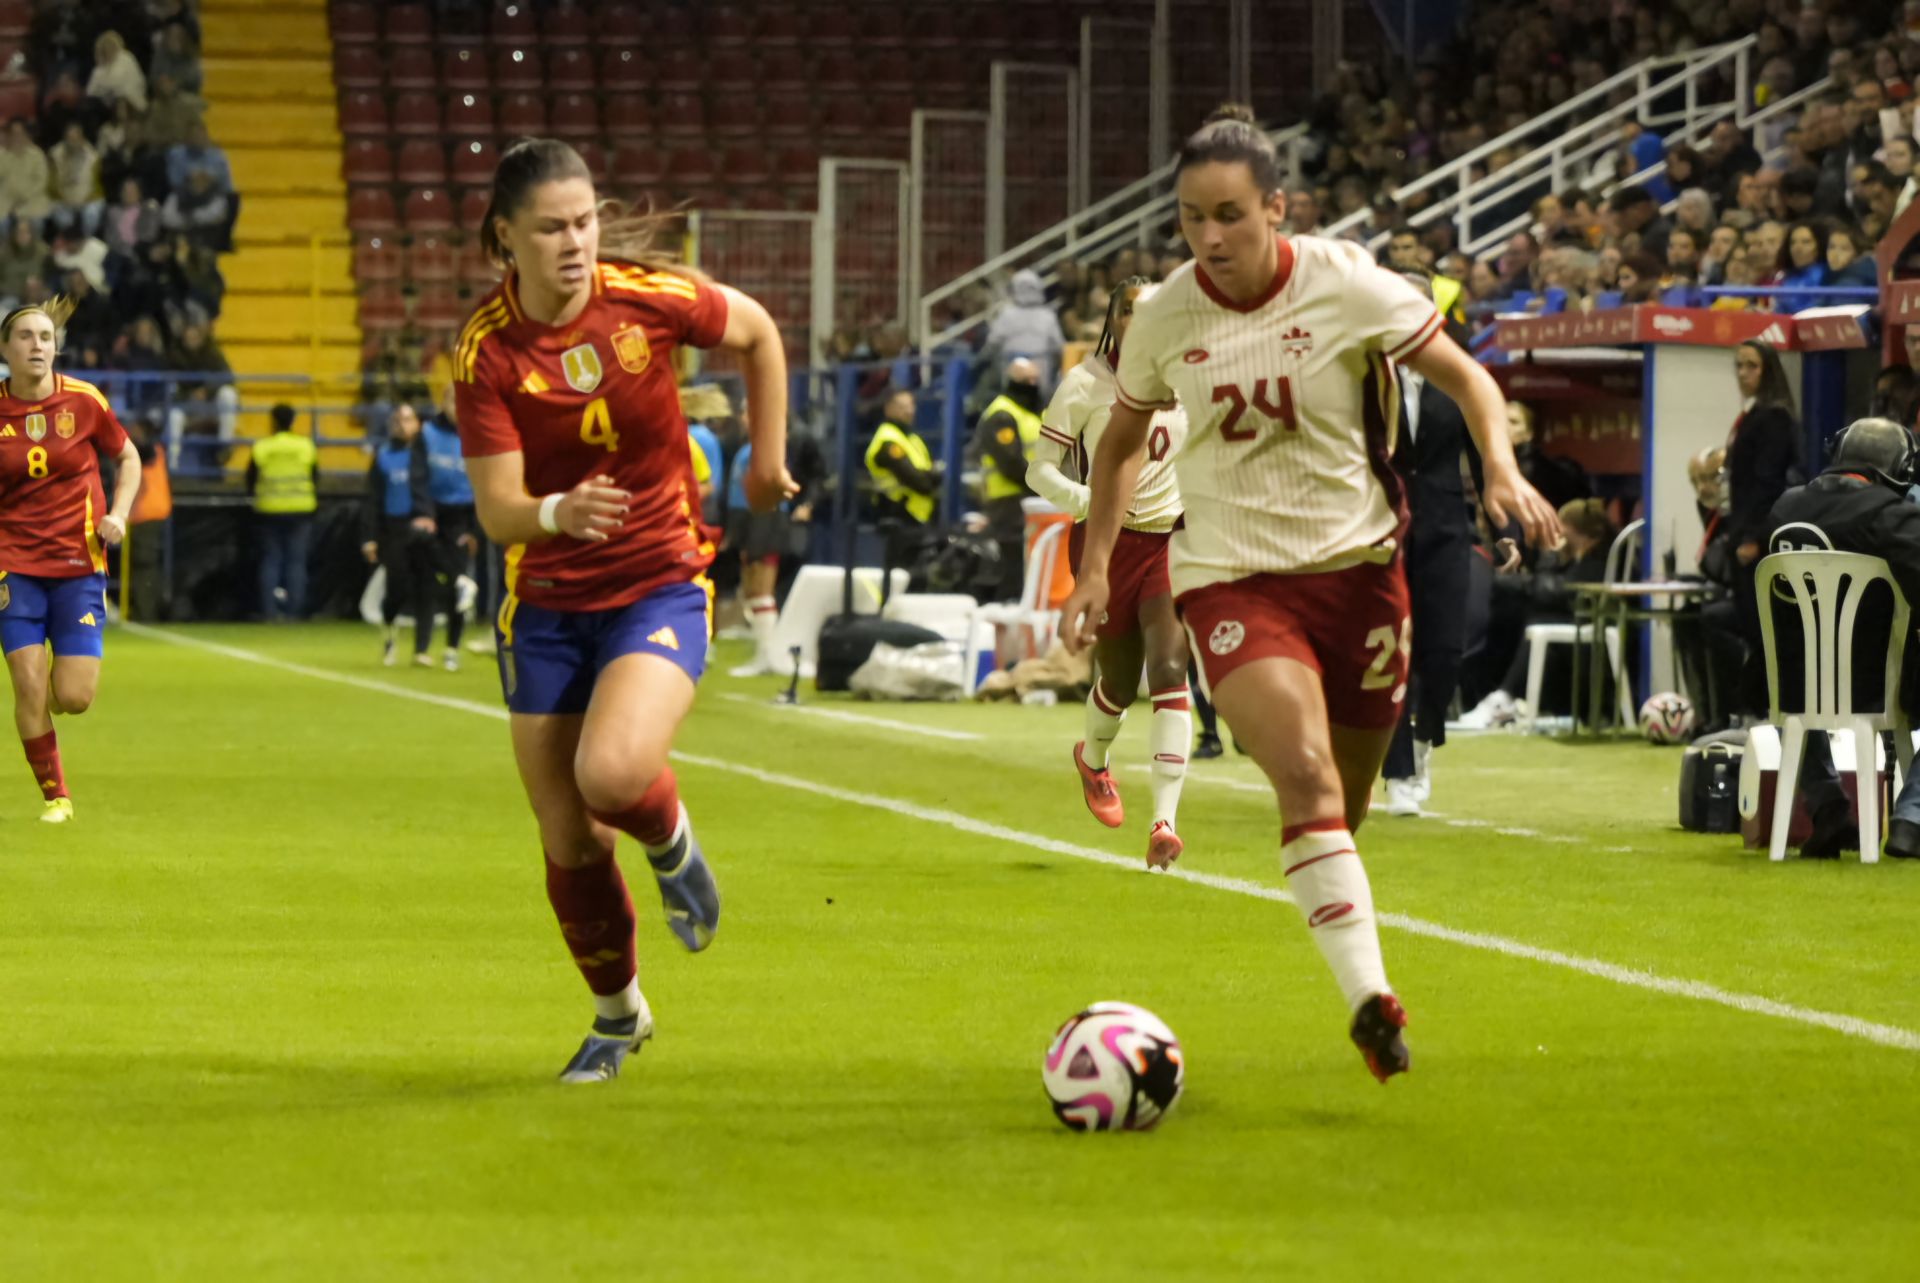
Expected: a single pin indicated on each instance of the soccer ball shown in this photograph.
(1666, 718)
(1113, 1067)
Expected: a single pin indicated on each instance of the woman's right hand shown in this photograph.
(371, 551)
(1081, 613)
(592, 510)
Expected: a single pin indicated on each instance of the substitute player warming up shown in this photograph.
(1139, 626)
(1287, 570)
(55, 529)
(577, 450)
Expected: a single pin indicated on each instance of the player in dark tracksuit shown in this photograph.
(1860, 505)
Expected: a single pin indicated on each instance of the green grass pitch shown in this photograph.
(287, 1002)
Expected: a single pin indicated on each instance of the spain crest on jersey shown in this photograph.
(631, 347)
(63, 425)
(582, 367)
(36, 427)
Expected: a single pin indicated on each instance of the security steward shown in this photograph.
(1859, 504)
(906, 481)
(1004, 440)
(283, 477)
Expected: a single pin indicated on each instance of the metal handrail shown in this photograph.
(1076, 242)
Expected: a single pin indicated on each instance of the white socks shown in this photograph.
(618, 1006)
(1170, 736)
(1103, 726)
(762, 614)
(1329, 884)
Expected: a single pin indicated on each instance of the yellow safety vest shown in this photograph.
(999, 486)
(890, 436)
(285, 464)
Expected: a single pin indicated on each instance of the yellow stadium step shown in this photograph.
(273, 76)
(329, 361)
(287, 170)
(272, 123)
(266, 213)
(289, 30)
(290, 267)
(291, 317)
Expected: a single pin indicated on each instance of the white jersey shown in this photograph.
(1293, 409)
(1076, 419)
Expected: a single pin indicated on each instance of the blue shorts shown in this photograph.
(549, 659)
(70, 612)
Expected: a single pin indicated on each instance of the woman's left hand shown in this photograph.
(769, 487)
(112, 530)
(1748, 553)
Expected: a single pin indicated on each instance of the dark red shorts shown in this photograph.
(1136, 573)
(1351, 626)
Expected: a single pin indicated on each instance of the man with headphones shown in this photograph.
(1859, 504)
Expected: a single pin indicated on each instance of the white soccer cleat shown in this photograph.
(465, 591)
(1497, 709)
(57, 810)
(1403, 798)
(1422, 772)
(452, 660)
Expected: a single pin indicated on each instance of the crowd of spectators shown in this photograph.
(114, 194)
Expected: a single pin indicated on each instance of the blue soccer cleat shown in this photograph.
(688, 893)
(601, 1055)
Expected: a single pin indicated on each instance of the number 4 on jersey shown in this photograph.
(596, 426)
(1275, 404)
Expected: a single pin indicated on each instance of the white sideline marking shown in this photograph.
(862, 719)
(1854, 1027)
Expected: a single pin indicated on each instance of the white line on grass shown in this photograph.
(860, 719)
(1852, 1026)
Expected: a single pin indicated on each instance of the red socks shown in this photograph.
(43, 756)
(653, 820)
(596, 917)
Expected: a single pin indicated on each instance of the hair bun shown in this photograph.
(1238, 111)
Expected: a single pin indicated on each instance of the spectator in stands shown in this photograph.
(1404, 251)
(205, 401)
(1802, 265)
(175, 57)
(73, 250)
(76, 176)
(116, 77)
(24, 255)
(1728, 158)
(1756, 196)
(91, 330)
(143, 353)
(1724, 246)
(1025, 325)
(1639, 278)
(1881, 191)
(1303, 212)
(1636, 214)
(1694, 211)
(130, 223)
(58, 35)
(198, 212)
(207, 289)
(25, 175)
(1849, 262)
(174, 115)
(1683, 256)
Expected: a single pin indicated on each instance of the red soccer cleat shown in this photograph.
(1163, 846)
(1103, 799)
(1376, 1032)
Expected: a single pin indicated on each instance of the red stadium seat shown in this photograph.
(382, 307)
(933, 27)
(638, 164)
(411, 67)
(596, 157)
(438, 307)
(669, 28)
(789, 113)
(362, 114)
(518, 67)
(834, 25)
(747, 166)
(691, 166)
(572, 69)
(473, 210)
(784, 69)
(366, 160)
(465, 68)
(417, 114)
(734, 115)
(683, 114)
(681, 69)
(408, 24)
(428, 209)
(355, 23)
(477, 272)
(779, 27)
(798, 165)
(627, 116)
(474, 160)
(513, 23)
(421, 162)
(468, 115)
(623, 26)
(765, 197)
(726, 25)
(357, 67)
(569, 28)
(574, 116)
(883, 27)
(376, 260)
(370, 209)
(627, 70)
(896, 69)
(431, 258)
(731, 70)
(523, 116)
(892, 113)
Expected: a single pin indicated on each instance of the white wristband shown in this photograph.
(550, 513)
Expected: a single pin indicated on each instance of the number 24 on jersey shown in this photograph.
(1271, 397)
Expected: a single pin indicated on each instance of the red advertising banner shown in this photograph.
(1587, 413)
(1829, 333)
(1643, 323)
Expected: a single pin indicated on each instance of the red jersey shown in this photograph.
(51, 500)
(594, 397)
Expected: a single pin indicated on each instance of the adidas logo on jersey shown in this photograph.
(665, 637)
(7, 431)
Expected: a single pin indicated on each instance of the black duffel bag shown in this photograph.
(1710, 784)
(847, 640)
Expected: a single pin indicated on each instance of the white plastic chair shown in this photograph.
(1828, 588)
(1622, 555)
(1032, 613)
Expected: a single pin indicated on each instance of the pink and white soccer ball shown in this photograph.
(1113, 1067)
(1666, 718)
